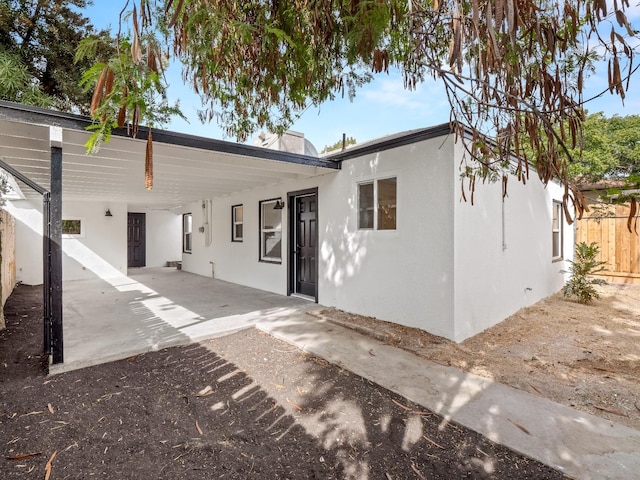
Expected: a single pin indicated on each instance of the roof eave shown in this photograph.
(393, 142)
(35, 115)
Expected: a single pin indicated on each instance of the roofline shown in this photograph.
(382, 144)
(31, 114)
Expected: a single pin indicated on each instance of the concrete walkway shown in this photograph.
(150, 309)
(578, 444)
(153, 308)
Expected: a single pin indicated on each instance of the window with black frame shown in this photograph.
(187, 233)
(237, 223)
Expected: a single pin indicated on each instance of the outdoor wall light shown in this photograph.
(279, 204)
(108, 213)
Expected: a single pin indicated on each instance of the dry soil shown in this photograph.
(244, 406)
(583, 356)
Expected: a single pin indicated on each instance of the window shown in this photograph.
(72, 227)
(270, 232)
(365, 205)
(187, 232)
(377, 204)
(236, 223)
(556, 231)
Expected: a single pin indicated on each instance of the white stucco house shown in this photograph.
(379, 229)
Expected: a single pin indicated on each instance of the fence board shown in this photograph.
(619, 248)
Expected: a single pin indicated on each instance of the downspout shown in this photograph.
(206, 229)
(206, 224)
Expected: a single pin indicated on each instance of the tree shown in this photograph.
(513, 70)
(339, 145)
(18, 85)
(610, 151)
(38, 40)
(611, 154)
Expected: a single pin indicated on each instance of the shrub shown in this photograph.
(585, 264)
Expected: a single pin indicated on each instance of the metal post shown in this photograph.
(46, 273)
(56, 245)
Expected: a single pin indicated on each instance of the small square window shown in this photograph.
(270, 232)
(236, 223)
(377, 204)
(187, 233)
(72, 227)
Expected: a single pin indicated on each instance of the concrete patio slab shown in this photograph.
(580, 445)
(153, 308)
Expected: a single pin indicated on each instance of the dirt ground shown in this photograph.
(241, 407)
(583, 356)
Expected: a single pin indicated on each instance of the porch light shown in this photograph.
(279, 204)
(108, 213)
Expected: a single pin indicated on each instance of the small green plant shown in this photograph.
(585, 264)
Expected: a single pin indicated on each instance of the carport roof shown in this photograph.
(186, 167)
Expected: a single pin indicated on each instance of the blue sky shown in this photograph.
(380, 108)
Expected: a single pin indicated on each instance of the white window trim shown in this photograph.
(262, 257)
(82, 233)
(373, 209)
(375, 180)
(557, 204)
(235, 223)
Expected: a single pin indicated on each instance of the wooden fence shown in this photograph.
(7, 259)
(619, 248)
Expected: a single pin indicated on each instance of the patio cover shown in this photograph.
(186, 168)
(47, 149)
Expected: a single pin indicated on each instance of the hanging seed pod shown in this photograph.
(108, 83)
(176, 13)
(151, 59)
(148, 164)
(135, 122)
(122, 115)
(98, 93)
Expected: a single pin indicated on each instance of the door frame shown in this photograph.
(142, 215)
(292, 222)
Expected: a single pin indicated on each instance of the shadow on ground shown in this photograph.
(238, 407)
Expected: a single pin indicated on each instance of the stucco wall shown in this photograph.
(201, 256)
(163, 236)
(405, 276)
(493, 280)
(100, 251)
(8, 264)
(444, 268)
(237, 262)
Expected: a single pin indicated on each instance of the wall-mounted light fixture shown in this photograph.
(279, 204)
(108, 213)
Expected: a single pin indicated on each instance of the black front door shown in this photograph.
(305, 245)
(136, 247)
